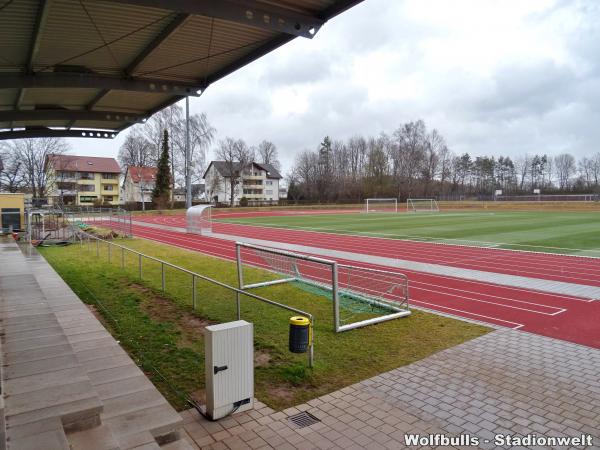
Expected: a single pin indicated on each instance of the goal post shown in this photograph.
(381, 205)
(360, 296)
(422, 205)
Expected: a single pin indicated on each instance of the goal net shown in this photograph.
(422, 205)
(360, 296)
(381, 205)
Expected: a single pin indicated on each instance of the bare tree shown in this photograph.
(522, 166)
(237, 156)
(137, 151)
(564, 167)
(31, 154)
(12, 176)
(267, 153)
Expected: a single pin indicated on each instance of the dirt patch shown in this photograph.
(284, 393)
(161, 309)
(262, 358)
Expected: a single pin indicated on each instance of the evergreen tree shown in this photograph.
(160, 194)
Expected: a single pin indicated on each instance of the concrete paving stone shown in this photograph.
(122, 387)
(79, 409)
(43, 380)
(33, 428)
(129, 403)
(49, 440)
(47, 397)
(158, 420)
(37, 354)
(24, 369)
(108, 362)
(98, 438)
(91, 336)
(33, 343)
(102, 352)
(93, 344)
(40, 333)
(111, 375)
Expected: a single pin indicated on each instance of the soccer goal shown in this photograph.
(360, 296)
(381, 205)
(422, 205)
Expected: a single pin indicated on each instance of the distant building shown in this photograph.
(82, 180)
(138, 184)
(282, 192)
(259, 183)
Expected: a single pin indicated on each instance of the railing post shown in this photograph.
(311, 348)
(97, 248)
(238, 306)
(162, 269)
(193, 291)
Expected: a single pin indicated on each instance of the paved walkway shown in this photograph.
(504, 383)
(66, 382)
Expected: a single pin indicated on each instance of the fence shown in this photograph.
(549, 198)
(126, 257)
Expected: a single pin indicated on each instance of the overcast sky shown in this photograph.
(494, 77)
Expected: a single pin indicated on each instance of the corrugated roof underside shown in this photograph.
(105, 37)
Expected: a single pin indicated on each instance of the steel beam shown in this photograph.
(69, 115)
(248, 12)
(53, 132)
(156, 42)
(71, 80)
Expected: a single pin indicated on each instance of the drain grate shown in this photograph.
(303, 419)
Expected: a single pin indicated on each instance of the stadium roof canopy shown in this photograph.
(91, 68)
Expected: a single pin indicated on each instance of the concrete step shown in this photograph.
(98, 438)
(160, 421)
(49, 440)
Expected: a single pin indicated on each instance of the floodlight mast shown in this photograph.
(188, 159)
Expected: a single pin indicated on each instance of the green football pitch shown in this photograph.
(550, 231)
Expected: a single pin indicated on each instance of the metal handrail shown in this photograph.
(204, 278)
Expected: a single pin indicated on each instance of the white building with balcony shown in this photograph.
(257, 182)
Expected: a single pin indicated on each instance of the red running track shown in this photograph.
(557, 316)
(570, 269)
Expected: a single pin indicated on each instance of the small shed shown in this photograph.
(12, 210)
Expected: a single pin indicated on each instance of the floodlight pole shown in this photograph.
(188, 162)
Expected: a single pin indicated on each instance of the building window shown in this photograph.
(87, 188)
(108, 187)
(269, 192)
(269, 182)
(109, 176)
(108, 198)
(87, 198)
(86, 175)
(65, 175)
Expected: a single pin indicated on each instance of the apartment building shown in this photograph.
(82, 180)
(258, 182)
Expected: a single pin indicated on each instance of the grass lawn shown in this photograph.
(552, 231)
(163, 330)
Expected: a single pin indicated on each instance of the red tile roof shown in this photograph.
(147, 174)
(84, 163)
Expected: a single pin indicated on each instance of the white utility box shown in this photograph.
(229, 353)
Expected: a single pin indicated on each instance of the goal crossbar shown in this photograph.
(364, 289)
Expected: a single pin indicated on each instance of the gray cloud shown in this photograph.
(508, 78)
